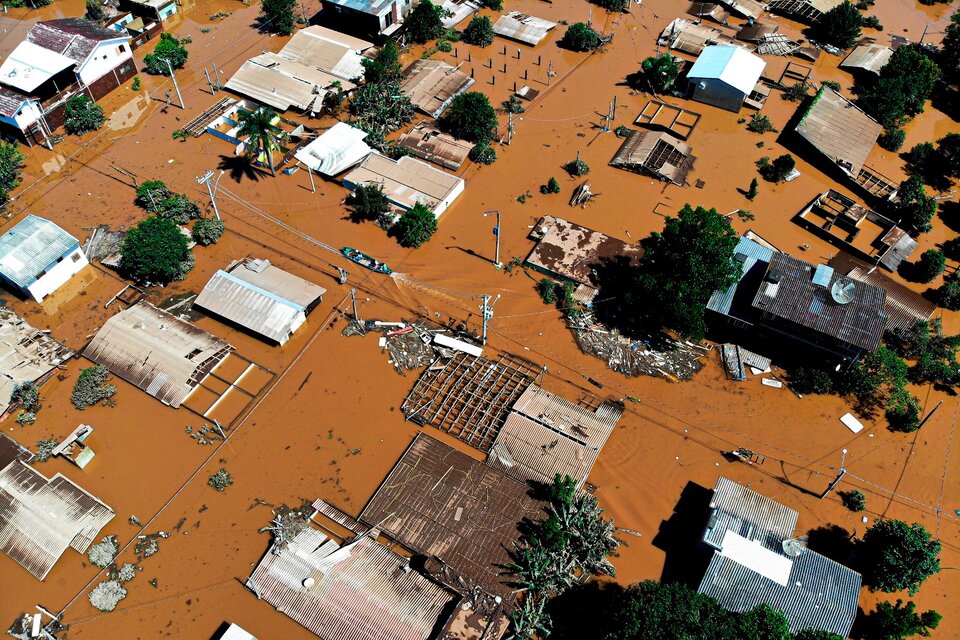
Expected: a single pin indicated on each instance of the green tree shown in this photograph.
(680, 269)
(92, 387)
(155, 252)
(777, 170)
(580, 37)
(914, 208)
(261, 135)
(482, 153)
(899, 621)
(168, 48)
(948, 155)
(416, 226)
(207, 231)
(814, 634)
(930, 265)
(839, 26)
(948, 296)
(762, 623)
(658, 74)
(552, 186)
(949, 59)
(854, 500)
(380, 109)
(81, 114)
(151, 193)
(179, 208)
(903, 86)
(892, 139)
(577, 167)
(806, 380)
(470, 116)
(753, 190)
(896, 556)
(384, 66)
(513, 104)
(424, 22)
(368, 201)
(496, 5)
(479, 31)
(277, 16)
(11, 167)
(94, 11)
(613, 6)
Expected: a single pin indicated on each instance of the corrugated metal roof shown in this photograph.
(335, 150)
(730, 64)
(441, 502)
(406, 181)
(796, 298)
(40, 518)
(572, 251)
(156, 352)
(426, 141)
(869, 57)
(30, 65)
(749, 514)
(523, 27)
(839, 129)
(374, 7)
(272, 87)
(747, 253)
(691, 38)
(260, 273)
(808, 10)
(26, 354)
(592, 428)
(657, 153)
(432, 84)
(744, 8)
(327, 50)
(32, 246)
(358, 591)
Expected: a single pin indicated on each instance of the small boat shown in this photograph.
(365, 261)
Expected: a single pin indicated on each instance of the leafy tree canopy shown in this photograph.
(155, 252)
(168, 48)
(276, 16)
(81, 114)
(471, 117)
(656, 74)
(949, 58)
(368, 201)
(425, 22)
(479, 31)
(896, 556)
(95, 11)
(416, 226)
(904, 84)
(839, 26)
(580, 37)
(914, 209)
(899, 621)
(11, 167)
(260, 134)
(384, 66)
(380, 109)
(207, 231)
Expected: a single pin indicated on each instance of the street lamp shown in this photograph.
(496, 232)
(211, 189)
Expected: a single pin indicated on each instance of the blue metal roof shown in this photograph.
(747, 253)
(366, 6)
(30, 247)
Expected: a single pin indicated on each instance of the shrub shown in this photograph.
(892, 139)
(92, 387)
(622, 132)
(155, 251)
(930, 265)
(482, 153)
(903, 411)
(26, 417)
(277, 16)
(830, 84)
(416, 226)
(854, 500)
(479, 31)
(11, 166)
(760, 124)
(580, 37)
(368, 201)
(81, 114)
(777, 170)
(27, 394)
(753, 190)
(179, 208)
(102, 554)
(127, 572)
(136, 84)
(106, 595)
(45, 449)
(873, 22)
(547, 289)
(207, 231)
(151, 193)
(806, 380)
(796, 92)
(577, 168)
(552, 186)
(220, 480)
(168, 48)
(513, 105)
(470, 117)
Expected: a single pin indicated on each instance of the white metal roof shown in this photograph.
(756, 557)
(30, 65)
(730, 64)
(336, 150)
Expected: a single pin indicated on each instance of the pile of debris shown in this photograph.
(104, 245)
(410, 344)
(677, 361)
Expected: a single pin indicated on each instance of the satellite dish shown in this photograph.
(793, 547)
(309, 582)
(842, 290)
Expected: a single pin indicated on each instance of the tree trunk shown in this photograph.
(266, 151)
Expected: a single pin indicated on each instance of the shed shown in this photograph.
(756, 561)
(868, 57)
(745, 8)
(426, 141)
(335, 150)
(708, 11)
(522, 27)
(26, 355)
(260, 298)
(432, 85)
(358, 591)
(840, 130)
(803, 10)
(689, 37)
(40, 517)
(724, 76)
(156, 351)
(37, 257)
(657, 153)
(407, 181)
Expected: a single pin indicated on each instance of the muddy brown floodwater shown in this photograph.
(329, 423)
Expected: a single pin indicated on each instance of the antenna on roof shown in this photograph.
(793, 547)
(842, 291)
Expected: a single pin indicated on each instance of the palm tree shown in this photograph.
(261, 134)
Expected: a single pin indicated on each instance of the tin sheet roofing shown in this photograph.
(839, 129)
(30, 247)
(29, 65)
(432, 84)
(749, 514)
(441, 502)
(730, 64)
(276, 87)
(328, 50)
(592, 428)
(26, 354)
(375, 7)
(748, 253)
(335, 150)
(744, 8)
(869, 57)
(156, 351)
(40, 517)
(406, 181)
(426, 141)
(657, 153)
(572, 251)
(523, 27)
(528, 450)
(793, 296)
(358, 591)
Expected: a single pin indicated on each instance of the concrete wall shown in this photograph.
(57, 274)
(442, 206)
(716, 93)
(106, 57)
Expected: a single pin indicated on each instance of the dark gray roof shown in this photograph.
(789, 292)
(10, 101)
(75, 38)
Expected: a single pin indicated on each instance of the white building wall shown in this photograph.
(29, 113)
(454, 194)
(106, 57)
(54, 278)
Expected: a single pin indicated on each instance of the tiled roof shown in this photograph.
(76, 38)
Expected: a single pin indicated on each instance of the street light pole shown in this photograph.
(211, 189)
(496, 231)
(841, 472)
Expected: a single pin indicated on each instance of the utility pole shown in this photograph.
(929, 415)
(496, 232)
(175, 85)
(206, 73)
(487, 310)
(842, 472)
(216, 72)
(353, 299)
(211, 189)
(313, 187)
(343, 275)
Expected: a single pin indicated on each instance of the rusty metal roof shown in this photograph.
(426, 141)
(40, 517)
(26, 354)
(431, 85)
(573, 252)
(528, 450)
(523, 27)
(868, 57)
(441, 502)
(156, 351)
(592, 428)
(657, 153)
(358, 591)
(839, 129)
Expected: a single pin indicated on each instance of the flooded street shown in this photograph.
(328, 424)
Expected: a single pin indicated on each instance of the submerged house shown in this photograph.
(369, 17)
(808, 11)
(261, 298)
(407, 181)
(26, 355)
(335, 150)
(37, 257)
(158, 10)
(432, 85)
(726, 76)
(813, 306)
(869, 57)
(756, 560)
(656, 153)
(522, 27)
(426, 141)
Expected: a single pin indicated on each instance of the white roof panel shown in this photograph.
(757, 558)
(730, 64)
(30, 65)
(336, 150)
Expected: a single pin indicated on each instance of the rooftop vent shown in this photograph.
(774, 276)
